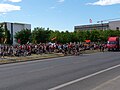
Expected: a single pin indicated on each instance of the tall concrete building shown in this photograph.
(112, 25)
(14, 27)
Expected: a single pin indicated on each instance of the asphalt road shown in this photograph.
(85, 72)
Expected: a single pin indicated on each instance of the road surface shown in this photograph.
(99, 71)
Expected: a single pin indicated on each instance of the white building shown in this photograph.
(112, 25)
(15, 27)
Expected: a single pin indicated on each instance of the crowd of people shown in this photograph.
(45, 48)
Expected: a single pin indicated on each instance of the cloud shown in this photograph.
(60, 1)
(105, 2)
(13, 0)
(53, 7)
(4, 8)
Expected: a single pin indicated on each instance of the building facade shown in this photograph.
(13, 28)
(113, 25)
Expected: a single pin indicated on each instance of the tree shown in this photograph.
(57, 35)
(1, 34)
(7, 37)
(23, 35)
(81, 36)
(95, 35)
(4, 36)
(40, 35)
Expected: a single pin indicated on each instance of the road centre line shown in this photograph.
(80, 79)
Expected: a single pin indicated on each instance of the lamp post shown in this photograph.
(101, 22)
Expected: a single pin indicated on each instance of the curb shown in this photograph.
(8, 60)
(25, 59)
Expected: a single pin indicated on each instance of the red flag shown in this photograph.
(90, 20)
(87, 41)
(53, 38)
(19, 41)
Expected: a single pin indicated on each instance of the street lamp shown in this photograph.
(101, 22)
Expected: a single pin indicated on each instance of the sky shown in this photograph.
(59, 15)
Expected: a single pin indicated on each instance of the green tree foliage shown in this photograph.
(1, 35)
(81, 35)
(42, 35)
(65, 37)
(95, 35)
(88, 34)
(7, 37)
(61, 37)
(24, 36)
(4, 36)
(57, 35)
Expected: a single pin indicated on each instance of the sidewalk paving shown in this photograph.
(113, 84)
(33, 57)
(7, 60)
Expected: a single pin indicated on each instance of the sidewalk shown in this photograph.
(7, 60)
(33, 57)
(113, 84)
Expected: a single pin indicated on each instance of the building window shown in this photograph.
(117, 28)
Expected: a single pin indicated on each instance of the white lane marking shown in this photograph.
(106, 83)
(80, 79)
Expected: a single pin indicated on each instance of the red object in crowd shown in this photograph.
(87, 41)
(19, 41)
